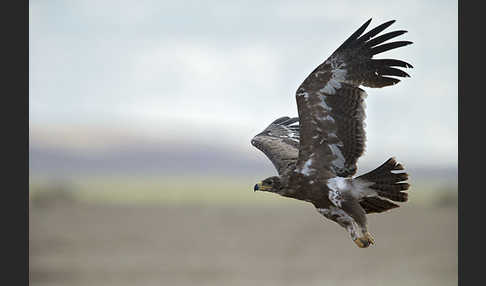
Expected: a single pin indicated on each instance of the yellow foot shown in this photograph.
(369, 237)
(365, 241)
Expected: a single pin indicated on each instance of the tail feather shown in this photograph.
(376, 205)
(387, 185)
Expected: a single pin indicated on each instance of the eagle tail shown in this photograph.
(387, 185)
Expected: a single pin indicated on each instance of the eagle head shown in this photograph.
(270, 184)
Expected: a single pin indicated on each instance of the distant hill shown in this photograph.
(175, 160)
(165, 159)
(133, 155)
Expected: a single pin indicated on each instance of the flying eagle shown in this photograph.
(316, 154)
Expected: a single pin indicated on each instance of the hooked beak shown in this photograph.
(257, 187)
(261, 187)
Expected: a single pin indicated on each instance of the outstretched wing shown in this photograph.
(331, 104)
(280, 142)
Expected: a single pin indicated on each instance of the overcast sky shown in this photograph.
(220, 71)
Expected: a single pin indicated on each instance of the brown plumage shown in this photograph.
(316, 159)
(388, 186)
(280, 142)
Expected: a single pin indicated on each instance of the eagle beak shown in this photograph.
(257, 187)
(261, 187)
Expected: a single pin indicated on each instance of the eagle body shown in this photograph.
(316, 153)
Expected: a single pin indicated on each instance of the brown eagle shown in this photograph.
(316, 158)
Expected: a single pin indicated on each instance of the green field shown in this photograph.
(194, 189)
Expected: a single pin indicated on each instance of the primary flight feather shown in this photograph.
(316, 154)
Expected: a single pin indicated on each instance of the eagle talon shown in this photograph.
(369, 237)
(365, 241)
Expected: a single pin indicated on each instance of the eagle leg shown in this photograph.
(358, 231)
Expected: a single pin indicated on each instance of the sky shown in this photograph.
(218, 72)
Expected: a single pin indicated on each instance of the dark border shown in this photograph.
(471, 144)
(15, 141)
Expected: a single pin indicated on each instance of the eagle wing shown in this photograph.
(280, 143)
(331, 104)
(284, 153)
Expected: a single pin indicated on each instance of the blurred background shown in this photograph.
(141, 167)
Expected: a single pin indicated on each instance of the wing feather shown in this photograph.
(375, 31)
(331, 104)
(280, 143)
(383, 38)
(388, 46)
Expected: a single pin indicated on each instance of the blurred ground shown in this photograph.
(76, 242)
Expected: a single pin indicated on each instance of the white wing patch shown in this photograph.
(305, 94)
(294, 136)
(338, 76)
(306, 169)
(339, 161)
(323, 102)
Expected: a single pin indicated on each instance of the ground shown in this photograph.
(76, 243)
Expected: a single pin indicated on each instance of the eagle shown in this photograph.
(316, 153)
